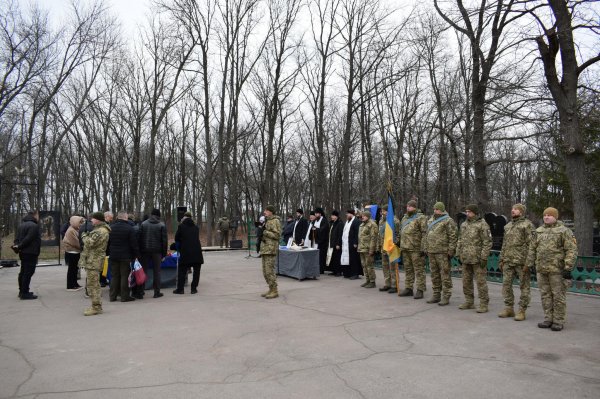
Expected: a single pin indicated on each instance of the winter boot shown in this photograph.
(272, 294)
(507, 312)
(406, 292)
(556, 327)
(444, 302)
(466, 305)
(434, 299)
(92, 311)
(370, 285)
(545, 324)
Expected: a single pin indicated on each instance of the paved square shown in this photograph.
(328, 338)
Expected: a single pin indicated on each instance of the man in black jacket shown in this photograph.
(27, 244)
(187, 239)
(123, 249)
(153, 246)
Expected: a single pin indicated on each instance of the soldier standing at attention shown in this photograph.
(92, 259)
(515, 247)
(553, 251)
(474, 244)
(268, 250)
(440, 244)
(389, 270)
(224, 227)
(367, 243)
(413, 228)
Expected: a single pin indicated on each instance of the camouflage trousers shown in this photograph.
(389, 271)
(268, 267)
(367, 262)
(510, 271)
(480, 274)
(441, 281)
(414, 266)
(554, 300)
(93, 287)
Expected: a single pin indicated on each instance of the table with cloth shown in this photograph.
(300, 264)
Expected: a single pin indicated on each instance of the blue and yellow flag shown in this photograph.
(388, 238)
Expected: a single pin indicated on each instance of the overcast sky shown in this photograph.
(129, 12)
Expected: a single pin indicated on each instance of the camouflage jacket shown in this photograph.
(474, 242)
(553, 249)
(517, 237)
(396, 237)
(441, 236)
(368, 235)
(270, 238)
(94, 247)
(412, 232)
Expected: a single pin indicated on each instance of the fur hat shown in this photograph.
(155, 212)
(552, 212)
(440, 206)
(520, 207)
(473, 208)
(412, 203)
(98, 216)
(270, 208)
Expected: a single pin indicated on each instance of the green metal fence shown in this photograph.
(586, 273)
(251, 234)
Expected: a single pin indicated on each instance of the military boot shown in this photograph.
(92, 311)
(406, 292)
(506, 312)
(365, 283)
(520, 316)
(384, 288)
(466, 305)
(264, 294)
(483, 308)
(392, 290)
(545, 324)
(556, 327)
(272, 294)
(370, 285)
(434, 299)
(444, 302)
(418, 294)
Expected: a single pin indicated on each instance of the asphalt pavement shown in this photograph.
(326, 338)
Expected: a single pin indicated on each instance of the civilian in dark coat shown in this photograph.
(27, 243)
(187, 239)
(288, 229)
(322, 237)
(123, 249)
(153, 247)
(336, 228)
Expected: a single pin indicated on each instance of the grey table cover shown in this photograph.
(298, 264)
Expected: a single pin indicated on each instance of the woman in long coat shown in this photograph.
(187, 239)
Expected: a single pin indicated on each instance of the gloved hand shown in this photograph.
(483, 264)
(567, 274)
(501, 266)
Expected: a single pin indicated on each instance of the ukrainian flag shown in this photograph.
(388, 238)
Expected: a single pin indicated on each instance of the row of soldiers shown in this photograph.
(551, 249)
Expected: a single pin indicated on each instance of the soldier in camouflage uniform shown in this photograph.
(474, 244)
(92, 259)
(515, 246)
(413, 228)
(389, 270)
(553, 251)
(268, 250)
(440, 244)
(367, 244)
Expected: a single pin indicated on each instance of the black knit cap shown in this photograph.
(319, 210)
(299, 210)
(335, 213)
(155, 212)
